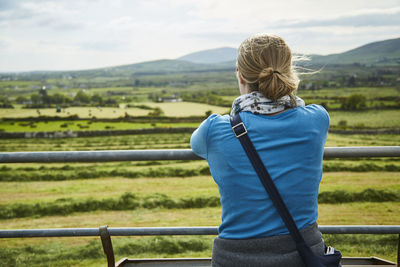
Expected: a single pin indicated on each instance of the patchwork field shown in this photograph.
(177, 193)
(178, 109)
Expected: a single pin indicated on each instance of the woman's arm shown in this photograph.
(198, 141)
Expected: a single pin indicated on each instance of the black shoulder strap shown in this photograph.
(240, 132)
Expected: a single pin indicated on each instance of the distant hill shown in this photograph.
(377, 53)
(156, 67)
(212, 56)
(166, 66)
(223, 59)
(385, 52)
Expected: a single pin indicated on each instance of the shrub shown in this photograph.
(354, 102)
(342, 124)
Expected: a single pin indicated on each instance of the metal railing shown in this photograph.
(171, 154)
(148, 231)
(177, 154)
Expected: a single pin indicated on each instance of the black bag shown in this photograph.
(308, 257)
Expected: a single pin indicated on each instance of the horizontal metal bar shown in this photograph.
(170, 154)
(359, 229)
(366, 151)
(146, 231)
(98, 156)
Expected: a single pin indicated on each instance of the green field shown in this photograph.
(179, 109)
(84, 125)
(174, 193)
(368, 119)
(170, 182)
(368, 92)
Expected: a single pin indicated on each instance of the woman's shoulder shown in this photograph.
(316, 113)
(215, 119)
(317, 110)
(200, 136)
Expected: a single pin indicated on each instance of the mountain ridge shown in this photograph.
(211, 56)
(375, 53)
(386, 52)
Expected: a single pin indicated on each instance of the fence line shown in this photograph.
(147, 231)
(171, 154)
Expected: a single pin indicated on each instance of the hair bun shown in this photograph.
(265, 73)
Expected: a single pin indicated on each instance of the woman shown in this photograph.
(290, 139)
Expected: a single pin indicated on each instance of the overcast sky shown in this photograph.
(81, 34)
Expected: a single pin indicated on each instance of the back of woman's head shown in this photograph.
(265, 64)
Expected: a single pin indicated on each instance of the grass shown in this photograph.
(179, 109)
(331, 93)
(66, 251)
(85, 126)
(368, 118)
(369, 92)
(342, 140)
(90, 253)
(359, 181)
(163, 141)
(68, 172)
(129, 201)
(189, 109)
(152, 141)
(82, 112)
(35, 192)
(50, 248)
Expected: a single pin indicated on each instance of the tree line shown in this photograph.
(43, 99)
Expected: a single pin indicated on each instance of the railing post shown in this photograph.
(398, 251)
(107, 245)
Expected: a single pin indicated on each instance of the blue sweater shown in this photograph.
(291, 145)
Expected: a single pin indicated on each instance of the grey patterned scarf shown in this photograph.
(257, 103)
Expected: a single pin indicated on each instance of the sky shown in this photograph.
(85, 34)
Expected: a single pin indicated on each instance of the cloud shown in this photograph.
(59, 24)
(3, 45)
(43, 14)
(7, 4)
(67, 34)
(102, 45)
(329, 40)
(225, 37)
(123, 23)
(374, 18)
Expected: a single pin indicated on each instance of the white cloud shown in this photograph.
(376, 17)
(67, 34)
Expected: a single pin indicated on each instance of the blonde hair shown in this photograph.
(265, 64)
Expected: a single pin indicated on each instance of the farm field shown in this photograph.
(368, 92)
(177, 193)
(331, 93)
(369, 119)
(32, 250)
(161, 194)
(178, 109)
(85, 125)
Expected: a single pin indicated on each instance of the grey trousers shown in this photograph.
(271, 251)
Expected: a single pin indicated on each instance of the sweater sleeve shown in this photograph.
(325, 118)
(198, 141)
